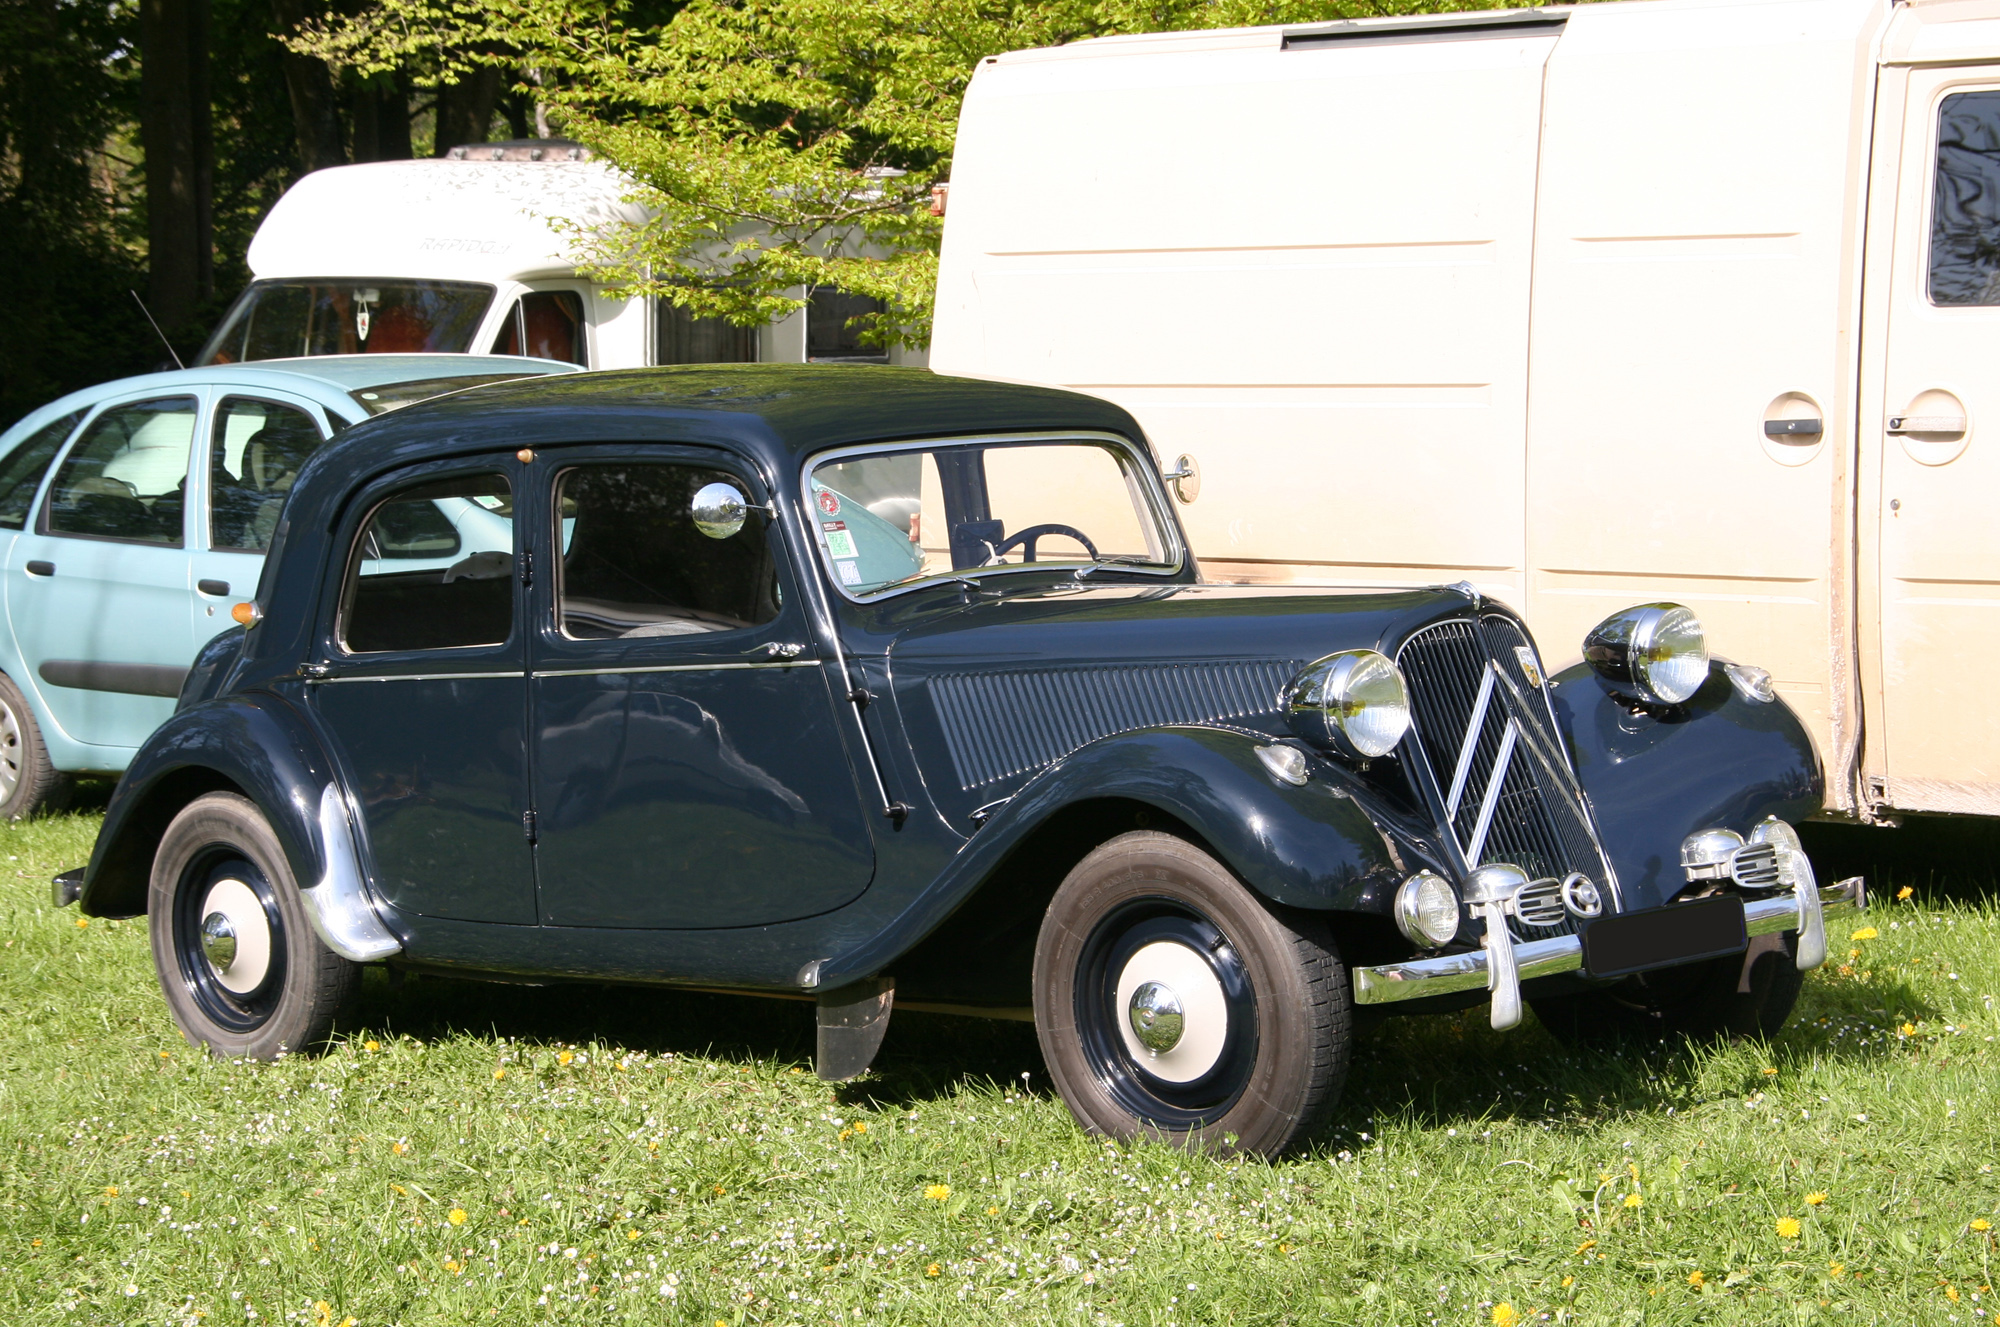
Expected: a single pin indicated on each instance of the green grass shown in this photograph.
(662, 1158)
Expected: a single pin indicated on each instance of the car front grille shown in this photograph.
(1475, 711)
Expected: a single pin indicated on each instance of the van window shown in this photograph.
(254, 455)
(681, 338)
(1965, 201)
(433, 569)
(126, 478)
(547, 324)
(280, 319)
(21, 473)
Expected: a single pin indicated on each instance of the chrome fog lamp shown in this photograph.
(1354, 700)
(1427, 910)
(1773, 830)
(1656, 649)
(1706, 854)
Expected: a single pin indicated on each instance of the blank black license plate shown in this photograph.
(1664, 937)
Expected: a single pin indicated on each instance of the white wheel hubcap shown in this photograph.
(233, 906)
(1166, 973)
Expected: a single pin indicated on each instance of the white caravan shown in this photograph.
(1587, 306)
(461, 255)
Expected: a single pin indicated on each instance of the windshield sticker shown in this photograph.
(850, 572)
(840, 544)
(829, 502)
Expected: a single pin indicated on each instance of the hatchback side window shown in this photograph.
(255, 452)
(547, 324)
(21, 473)
(126, 478)
(634, 565)
(433, 568)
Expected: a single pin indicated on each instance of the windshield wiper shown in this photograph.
(1110, 560)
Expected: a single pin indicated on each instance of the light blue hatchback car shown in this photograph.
(133, 515)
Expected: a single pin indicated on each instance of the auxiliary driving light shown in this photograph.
(1427, 910)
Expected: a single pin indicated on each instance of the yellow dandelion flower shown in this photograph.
(861, 1126)
(1815, 1200)
(1586, 1246)
(456, 1216)
(1951, 1293)
(1908, 1029)
(846, 1134)
(83, 923)
(1903, 894)
(1864, 933)
(1695, 1278)
(1634, 1200)
(719, 1191)
(937, 1193)
(1836, 1270)
(522, 1222)
(348, 1321)
(1284, 1248)
(1979, 1223)
(994, 1211)
(398, 1148)
(1568, 1281)
(797, 1070)
(452, 1265)
(1788, 1227)
(1770, 1073)
(499, 1074)
(400, 1189)
(933, 1270)
(111, 1191)
(1505, 1316)
(371, 1046)
(631, 1234)
(564, 1058)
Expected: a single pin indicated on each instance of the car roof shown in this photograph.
(780, 412)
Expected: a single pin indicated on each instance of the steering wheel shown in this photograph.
(1027, 539)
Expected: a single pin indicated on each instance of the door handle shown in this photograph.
(216, 588)
(1927, 423)
(41, 568)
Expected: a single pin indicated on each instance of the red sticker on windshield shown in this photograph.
(829, 502)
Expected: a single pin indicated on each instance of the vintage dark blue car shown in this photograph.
(880, 688)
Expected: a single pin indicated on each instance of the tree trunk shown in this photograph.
(310, 87)
(465, 109)
(201, 134)
(175, 209)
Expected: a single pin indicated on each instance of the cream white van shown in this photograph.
(458, 255)
(1587, 306)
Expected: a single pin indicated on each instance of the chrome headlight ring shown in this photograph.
(1658, 650)
(1427, 910)
(1354, 701)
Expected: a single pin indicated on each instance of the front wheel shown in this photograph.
(1171, 1003)
(1746, 995)
(242, 971)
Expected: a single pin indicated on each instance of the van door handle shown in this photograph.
(1927, 423)
(216, 588)
(41, 568)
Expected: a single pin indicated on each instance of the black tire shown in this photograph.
(29, 784)
(1277, 1035)
(1749, 996)
(219, 857)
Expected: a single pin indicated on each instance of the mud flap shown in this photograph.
(852, 1023)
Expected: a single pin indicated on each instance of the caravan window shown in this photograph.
(547, 324)
(280, 319)
(1965, 201)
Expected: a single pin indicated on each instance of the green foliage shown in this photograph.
(780, 144)
(646, 1157)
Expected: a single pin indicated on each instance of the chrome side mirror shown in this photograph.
(719, 510)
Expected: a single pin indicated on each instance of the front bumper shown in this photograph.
(1419, 978)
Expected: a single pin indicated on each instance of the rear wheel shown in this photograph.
(29, 784)
(242, 971)
(1743, 996)
(1171, 1003)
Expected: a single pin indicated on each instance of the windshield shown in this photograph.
(284, 319)
(900, 517)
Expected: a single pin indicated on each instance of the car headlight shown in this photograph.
(1656, 649)
(1426, 910)
(1355, 699)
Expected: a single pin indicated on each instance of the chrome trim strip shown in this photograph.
(1418, 978)
(1468, 748)
(673, 668)
(338, 906)
(1491, 801)
(413, 677)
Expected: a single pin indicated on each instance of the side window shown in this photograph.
(547, 324)
(433, 568)
(681, 338)
(126, 478)
(835, 321)
(254, 454)
(634, 565)
(21, 473)
(1965, 201)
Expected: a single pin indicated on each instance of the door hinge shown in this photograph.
(528, 826)
(313, 671)
(527, 566)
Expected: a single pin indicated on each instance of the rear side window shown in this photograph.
(21, 473)
(634, 565)
(547, 324)
(254, 454)
(1965, 201)
(126, 478)
(433, 569)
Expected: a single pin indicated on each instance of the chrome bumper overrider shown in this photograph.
(338, 905)
(1419, 978)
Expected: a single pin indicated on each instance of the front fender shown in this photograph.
(1654, 777)
(1313, 847)
(261, 746)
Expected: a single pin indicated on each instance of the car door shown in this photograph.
(254, 448)
(97, 585)
(689, 767)
(424, 691)
(1937, 429)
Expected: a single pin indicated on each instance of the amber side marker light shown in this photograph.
(248, 614)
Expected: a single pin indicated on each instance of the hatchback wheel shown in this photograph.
(1171, 1003)
(29, 784)
(242, 970)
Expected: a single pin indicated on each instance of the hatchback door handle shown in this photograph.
(216, 588)
(41, 568)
